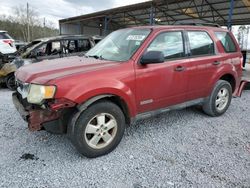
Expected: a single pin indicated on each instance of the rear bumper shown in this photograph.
(244, 81)
(241, 87)
(51, 120)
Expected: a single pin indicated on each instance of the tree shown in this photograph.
(242, 36)
(17, 25)
(28, 19)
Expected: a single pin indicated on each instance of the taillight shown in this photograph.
(8, 42)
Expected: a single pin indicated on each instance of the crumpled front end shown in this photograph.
(53, 116)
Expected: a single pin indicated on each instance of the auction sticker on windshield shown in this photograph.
(136, 37)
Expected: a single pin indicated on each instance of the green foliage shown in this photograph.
(17, 25)
(16, 30)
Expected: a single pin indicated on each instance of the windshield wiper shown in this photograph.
(96, 57)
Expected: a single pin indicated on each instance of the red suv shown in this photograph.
(131, 74)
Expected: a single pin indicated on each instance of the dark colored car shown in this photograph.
(131, 74)
(42, 49)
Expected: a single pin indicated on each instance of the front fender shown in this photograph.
(84, 92)
(7, 69)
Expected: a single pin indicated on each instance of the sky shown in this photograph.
(59, 9)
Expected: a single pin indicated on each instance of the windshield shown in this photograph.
(119, 45)
(4, 36)
(26, 49)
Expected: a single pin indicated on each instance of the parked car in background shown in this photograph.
(42, 49)
(131, 74)
(7, 47)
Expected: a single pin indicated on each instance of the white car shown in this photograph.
(7, 44)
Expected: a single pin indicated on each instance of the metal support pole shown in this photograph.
(105, 25)
(79, 28)
(28, 24)
(60, 28)
(151, 17)
(229, 21)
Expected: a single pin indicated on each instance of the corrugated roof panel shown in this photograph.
(170, 10)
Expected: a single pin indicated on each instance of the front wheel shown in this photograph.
(219, 100)
(98, 129)
(10, 82)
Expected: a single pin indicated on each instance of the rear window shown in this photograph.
(226, 41)
(4, 36)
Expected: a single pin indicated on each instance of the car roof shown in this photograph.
(62, 37)
(2, 31)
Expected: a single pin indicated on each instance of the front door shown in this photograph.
(49, 50)
(164, 84)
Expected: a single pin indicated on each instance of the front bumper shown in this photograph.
(6, 58)
(54, 121)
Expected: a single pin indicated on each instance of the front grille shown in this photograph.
(24, 102)
(22, 88)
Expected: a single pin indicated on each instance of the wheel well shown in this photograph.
(122, 104)
(9, 74)
(112, 98)
(230, 79)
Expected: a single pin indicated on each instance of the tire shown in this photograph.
(219, 100)
(98, 129)
(10, 82)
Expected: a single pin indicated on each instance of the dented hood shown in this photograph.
(48, 70)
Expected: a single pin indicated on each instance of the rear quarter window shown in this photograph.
(226, 41)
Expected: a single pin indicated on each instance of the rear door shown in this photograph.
(164, 84)
(204, 63)
(232, 52)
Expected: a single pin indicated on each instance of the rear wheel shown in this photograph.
(98, 129)
(10, 82)
(219, 100)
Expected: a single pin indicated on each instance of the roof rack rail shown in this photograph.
(198, 24)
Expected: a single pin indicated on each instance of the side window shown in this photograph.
(200, 43)
(226, 41)
(170, 43)
(72, 46)
(83, 45)
(41, 51)
(55, 48)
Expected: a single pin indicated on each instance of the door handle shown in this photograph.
(216, 63)
(179, 68)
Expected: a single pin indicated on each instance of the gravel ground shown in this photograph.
(176, 149)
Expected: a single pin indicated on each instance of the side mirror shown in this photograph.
(151, 57)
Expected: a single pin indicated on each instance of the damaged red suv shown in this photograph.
(133, 73)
